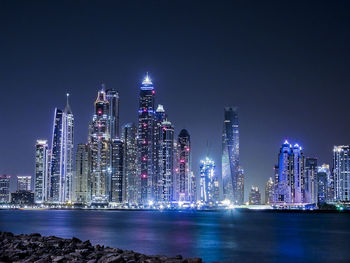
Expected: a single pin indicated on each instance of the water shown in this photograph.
(214, 236)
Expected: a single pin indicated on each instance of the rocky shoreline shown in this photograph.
(40, 249)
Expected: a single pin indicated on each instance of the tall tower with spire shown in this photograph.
(68, 151)
(99, 144)
(146, 138)
(113, 98)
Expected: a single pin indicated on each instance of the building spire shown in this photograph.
(147, 80)
(67, 108)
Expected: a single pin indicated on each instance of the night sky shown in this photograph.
(285, 64)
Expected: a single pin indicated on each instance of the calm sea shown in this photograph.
(232, 236)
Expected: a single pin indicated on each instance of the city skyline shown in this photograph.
(224, 67)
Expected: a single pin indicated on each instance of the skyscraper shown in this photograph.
(310, 181)
(117, 190)
(209, 184)
(167, 161)
(4, 188)
(230, 156)
(57, 152)
(24, 183)
(269, 190)
(341, 173)
(254, 196)
(145, 138)
(41, 171)
(68, 151)
(290, 174)
(82, 185)
(99, 143)
(113, 99)
(184, 183)
(129, 136)
(323, 174)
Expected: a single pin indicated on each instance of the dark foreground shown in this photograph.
(39, 249)
(231, 236)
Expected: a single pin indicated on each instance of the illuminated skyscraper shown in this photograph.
(309, 186)
(57, 155)
(254, 196)
(24, 183)
(209, 184)
(323, 173)
(145, 139)
(99, 143)
(113, 99)
(4, 188)
(82, 185)
(132, 181)
(341, 173)
(290, 174)
(167, 163)
(117, 190)
(41, 171)
(68, 151)
(230, 156)
(184, 183)
(269, 190)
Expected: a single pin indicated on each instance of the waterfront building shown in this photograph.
(167, 163)
(209, 184)
(22, 197)
(230, 157)
(184, 179)
(341, 173)
(323, 173)
(132, 181)
(100, 150)
(24, 183)
(309, 186)
(113, 115)
(82, 185)
(68, 152)
(290, 174)
(117, 190)
(145, 139)
(157, 178)
(254, 196)
(269, 191)
(41, 171)
(56, 170)
(240, 187)
(4, 188)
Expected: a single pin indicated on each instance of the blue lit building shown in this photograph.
(341, 173)
(323, 173)
(209, 184)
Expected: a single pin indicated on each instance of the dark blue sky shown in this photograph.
(285, 64)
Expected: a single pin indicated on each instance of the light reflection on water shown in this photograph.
(214, 236)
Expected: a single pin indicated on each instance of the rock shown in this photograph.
(58, 259)
(76, 240)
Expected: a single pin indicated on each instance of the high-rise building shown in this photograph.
(57, 155)
(82, 185)
(100, 149)
(4, 188)
(41, 171)
(230, 156)
(323, 173)
(132, 181)
(341, 173)
(24, 183)
(167, 163)
(113, 99)
(254, 196)
(240, 186)
(68, 152)
(290, 174)
(117, 191)
(185, 183)
(269, 190)
(209, 183)
(145, 139)
(309, 186)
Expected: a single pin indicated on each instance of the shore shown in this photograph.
(40, 249)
